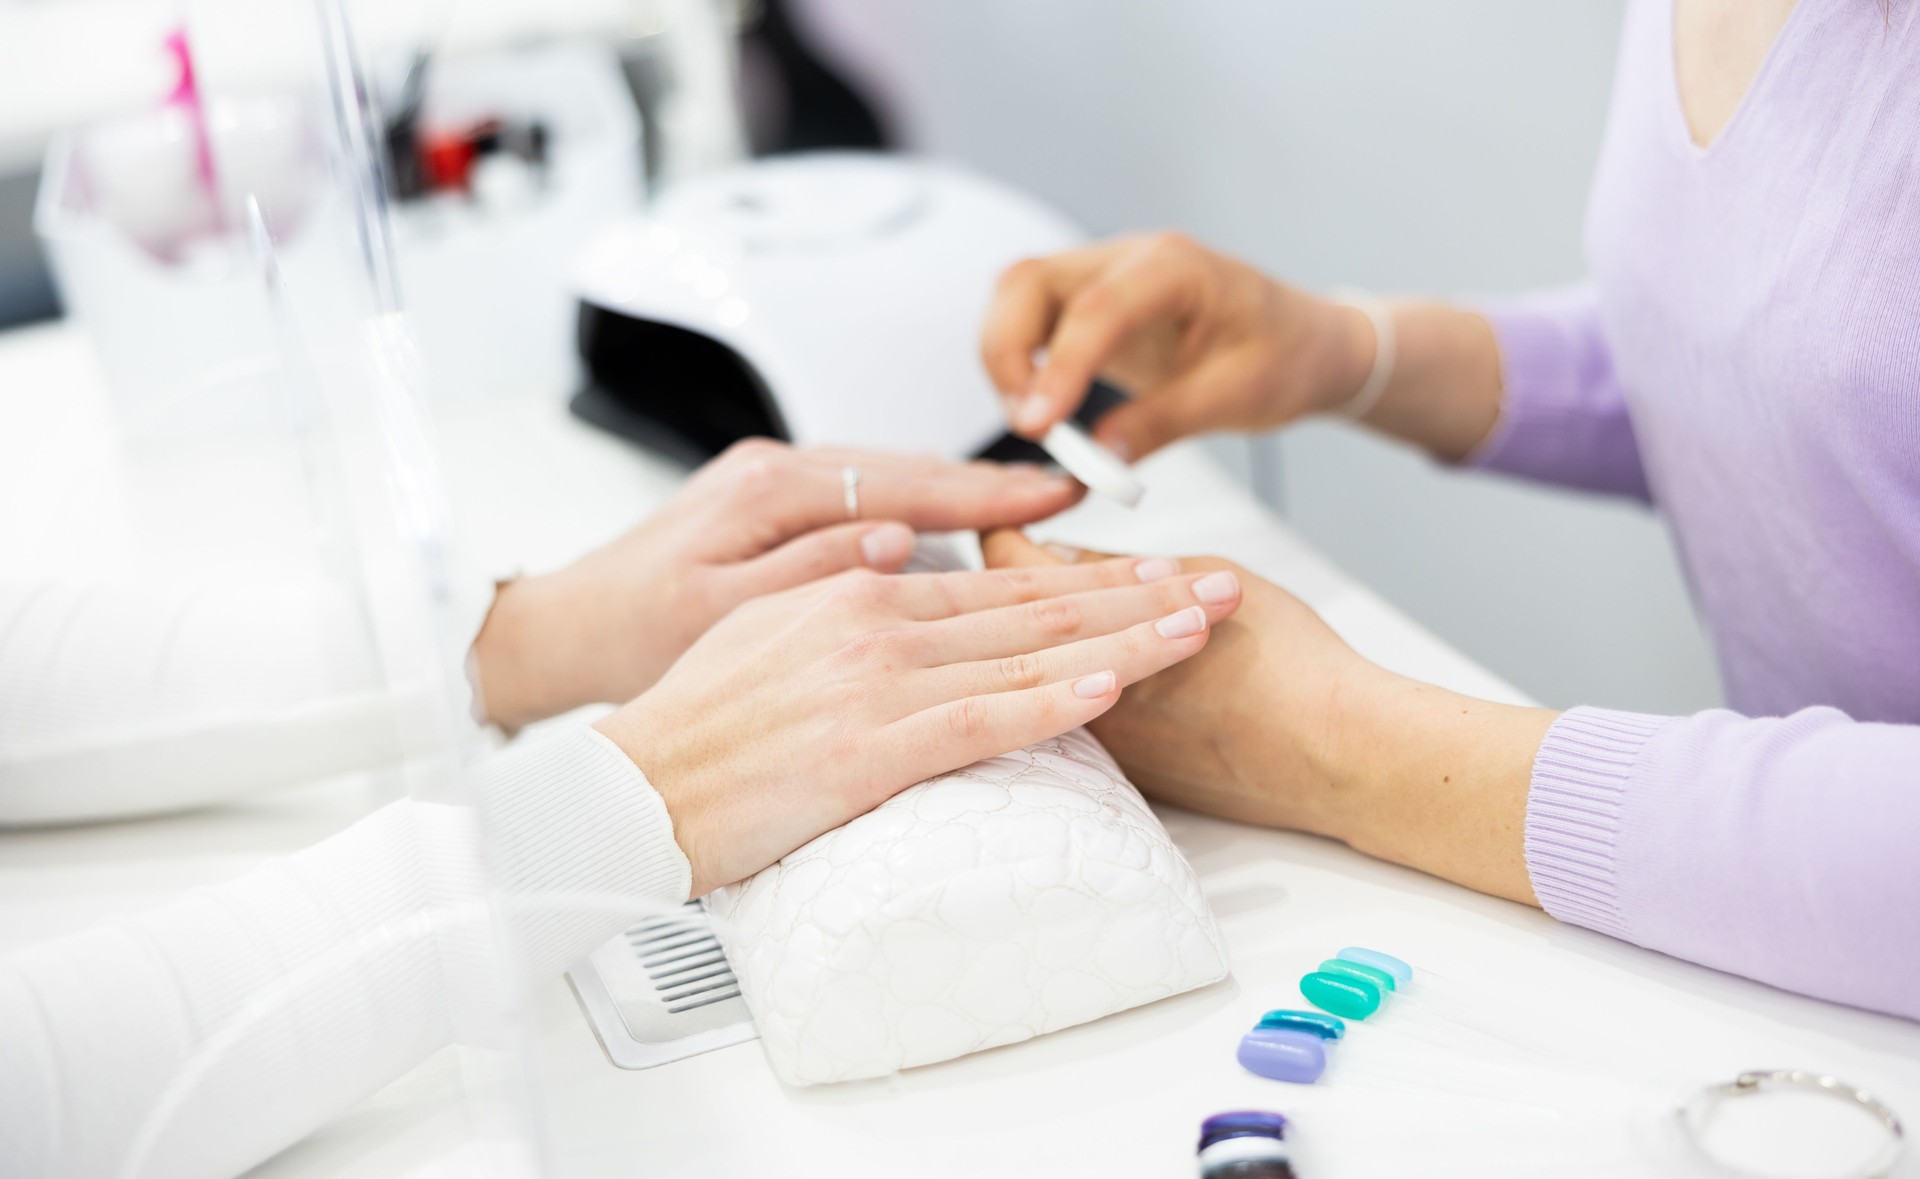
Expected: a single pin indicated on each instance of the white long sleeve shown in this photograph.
(202, 1037)
(124, 697)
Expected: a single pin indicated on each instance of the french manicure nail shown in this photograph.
(1181, 623)
(1032, 411)
(886, 546)
(1155, 568)
(1219, 586)
(1094, 686)
(1064, 552)
(1118, 445)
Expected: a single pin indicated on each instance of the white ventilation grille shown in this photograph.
(662, 991)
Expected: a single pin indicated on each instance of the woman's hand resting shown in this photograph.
(804, 708)
(760, 518)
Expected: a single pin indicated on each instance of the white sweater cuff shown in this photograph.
(577, 843)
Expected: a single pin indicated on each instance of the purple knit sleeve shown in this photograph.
(1781, 849)
(1563, 417)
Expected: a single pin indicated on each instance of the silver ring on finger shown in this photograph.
(850, 489)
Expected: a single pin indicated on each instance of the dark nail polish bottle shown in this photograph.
(1250, 1144)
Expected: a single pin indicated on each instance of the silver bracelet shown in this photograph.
(1693, 1114)
(1385, 350)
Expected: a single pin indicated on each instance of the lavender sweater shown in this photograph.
(1746, 358)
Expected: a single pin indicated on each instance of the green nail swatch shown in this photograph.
(1341, 994)
(1373, 974)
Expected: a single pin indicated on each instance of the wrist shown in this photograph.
(526, 664)
(1365, 735)
(1345, 357)
(637, 730)
(1296, 752)
(1426, 777)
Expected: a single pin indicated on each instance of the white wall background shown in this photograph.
(1398, 145)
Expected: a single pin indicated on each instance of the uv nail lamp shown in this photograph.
(829, 299)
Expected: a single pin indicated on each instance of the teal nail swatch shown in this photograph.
(1341, 994)
(1374, 958)
(1327, 1027)
(1372, 974)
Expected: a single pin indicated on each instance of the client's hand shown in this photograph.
(1239, 731)
(803, 709)
(760, 518)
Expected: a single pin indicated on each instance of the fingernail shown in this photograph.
(1119, 446)
(1220, 586)
(1094, 686)
(1064, 552)
(887, 546)
(1155, 568)
(1032, 412)
(1182, 623)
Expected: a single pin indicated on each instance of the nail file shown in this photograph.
(1092, 464)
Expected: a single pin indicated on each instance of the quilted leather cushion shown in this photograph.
(1020, 895)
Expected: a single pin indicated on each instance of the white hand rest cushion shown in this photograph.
(1023, 894)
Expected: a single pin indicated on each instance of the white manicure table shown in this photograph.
(1526, 1048)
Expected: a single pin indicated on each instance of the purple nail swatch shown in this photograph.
(1282, 1055)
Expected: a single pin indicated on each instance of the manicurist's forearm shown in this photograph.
(1780, 848)
(1444, 395)
(1422, 776)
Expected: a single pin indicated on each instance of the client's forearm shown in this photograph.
(1418, 775)
(532, 660)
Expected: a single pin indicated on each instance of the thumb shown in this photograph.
(884, 545)
(1136, 428)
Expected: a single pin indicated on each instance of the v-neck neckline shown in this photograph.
(1769, 65)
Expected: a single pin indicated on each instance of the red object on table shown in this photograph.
(447, 160)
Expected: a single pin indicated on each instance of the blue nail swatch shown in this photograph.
(1327, 1027)
(1373, 974)
(1374, 958)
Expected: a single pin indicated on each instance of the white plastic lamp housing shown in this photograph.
(853, 285)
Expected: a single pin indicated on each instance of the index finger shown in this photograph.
(929, 596)
(1024, 310)
(1019, 319)
(1094, 323)
(926, 494)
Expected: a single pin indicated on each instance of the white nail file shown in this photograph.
(1092, 464)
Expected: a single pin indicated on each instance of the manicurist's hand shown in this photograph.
(1271, 671)
(760, 518)
(1280, 723)
(805, 708)
(1203, 342)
